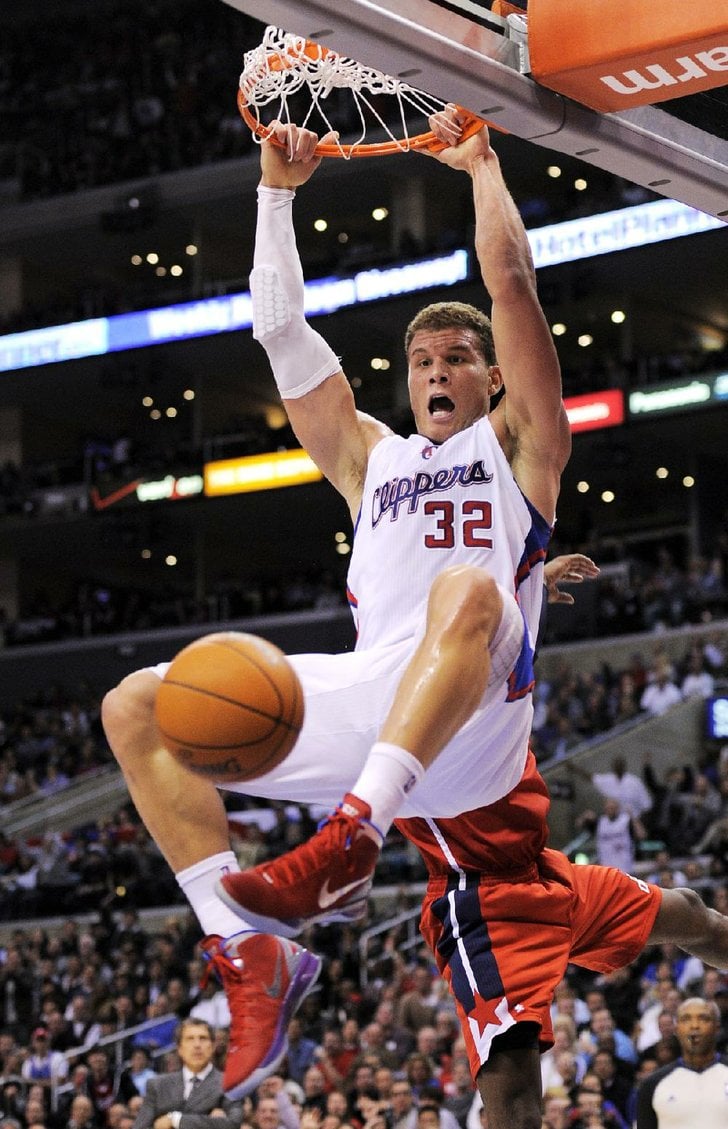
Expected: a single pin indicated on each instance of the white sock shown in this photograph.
(387, 776)
(197, 883)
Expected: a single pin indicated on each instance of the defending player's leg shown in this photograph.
(328, 878)
(510, 1081)
(265, 978)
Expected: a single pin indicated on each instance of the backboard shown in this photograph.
(458, 50)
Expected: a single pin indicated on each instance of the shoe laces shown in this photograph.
(345, 829)
(353, 824)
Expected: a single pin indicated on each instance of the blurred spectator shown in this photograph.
(418, 1006)
(647, 1065)
(82, 1114)
(211, 1005)
(460, 1091)
(666, 1048)
(12, 1103)
(665, 817)
(302, 1052)
(35, 1113)
(161, 1034)
(134, 1077)
(698, 681)
(602, 1029)
(78, 1077)
(615, 1079)
(16, 995)
(100, 1083)
(660, 695)
(591, 1110)
(556, 1112)
(336, 1059)
(397, 1038)
(662, 998)
(420, 1073)
(80, 1016)
(552, 1065)
(623, 786)
(314, 1090)
(697, 809)
(615, 833)
(621, 993)
(619, 784)
(664, 594)
(43, 1066)
(404, 1114)
(671, 963)
(567, 1002)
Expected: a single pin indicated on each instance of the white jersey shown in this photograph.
(426, 507)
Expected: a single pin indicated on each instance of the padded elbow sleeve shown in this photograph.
(299, 356)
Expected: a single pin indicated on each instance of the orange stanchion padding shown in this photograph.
(612, 56)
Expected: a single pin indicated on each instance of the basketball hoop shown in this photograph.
(284, 65)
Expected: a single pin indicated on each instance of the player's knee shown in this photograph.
(695, 905)
(127, 711)
(468, 600)
(696, 912)
(683, 918)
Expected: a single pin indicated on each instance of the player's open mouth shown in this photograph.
(440, 407)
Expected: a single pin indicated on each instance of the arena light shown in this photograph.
(595, 410)
(619, 230)
(259, 472)
(672, 397)
(170, 488)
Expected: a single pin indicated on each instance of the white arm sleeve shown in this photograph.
(299, 357)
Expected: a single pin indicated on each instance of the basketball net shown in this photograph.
(284, 65)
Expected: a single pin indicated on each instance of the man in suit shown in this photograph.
(190, 1098)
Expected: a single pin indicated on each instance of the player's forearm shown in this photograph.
(299, 357)
(275, 241)
(501, 243)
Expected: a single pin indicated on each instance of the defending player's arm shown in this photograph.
(317, 395)
(537, 439)
(570, 568)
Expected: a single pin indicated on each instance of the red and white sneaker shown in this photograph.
(265, 979)
(326, 879)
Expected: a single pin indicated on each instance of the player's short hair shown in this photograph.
(445, 315)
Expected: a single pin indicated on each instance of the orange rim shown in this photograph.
(426, 140)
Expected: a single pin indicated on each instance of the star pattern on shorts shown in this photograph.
(484, 1013)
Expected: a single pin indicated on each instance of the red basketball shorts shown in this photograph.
(504, 946)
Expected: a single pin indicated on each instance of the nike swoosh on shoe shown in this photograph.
(274, 988)
(327, 897)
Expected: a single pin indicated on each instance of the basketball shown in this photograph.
(230, 707)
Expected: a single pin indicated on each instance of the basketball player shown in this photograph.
(429, 717)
